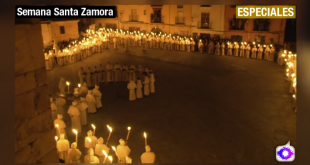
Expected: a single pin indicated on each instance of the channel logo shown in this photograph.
(285, 153)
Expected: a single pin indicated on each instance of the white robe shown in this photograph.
(61, 127)
(139, 89)
(97, 94)
(60, 102)
(98, 151)
(146, 88)
(91, 103)
(83, 90)
(132, 86)
(74, 112)
(122, 151)
(74, 155)
(62, 87)
(83, 110)
(109, 73)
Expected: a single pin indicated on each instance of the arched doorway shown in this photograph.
(156, 30)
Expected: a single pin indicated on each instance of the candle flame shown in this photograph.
(129, 128)
(113, 148)
(110, 158)
(110, 128)
(293, 75)
(68, 83)
(294, 85)
(89, 139)
(104, 153)
(93, 126)
(56, 138)
(79, 85)
(56, 125)
(75, 131)
(294, 96)
(144, 134)
(287, 74)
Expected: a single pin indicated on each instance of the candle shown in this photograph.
(114, 151)
(129, 128)
(76, 135)
(111, 159)
(110, 129)
(68, 83)
(94, 129)
(57, 126)
(105, 156)
(56, 138)
(79, 85)
(145, 137)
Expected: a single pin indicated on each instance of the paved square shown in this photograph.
(206, 109)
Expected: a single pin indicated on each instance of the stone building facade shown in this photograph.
(259, 30)
(34, 132)
(189, 20)
(59, 30)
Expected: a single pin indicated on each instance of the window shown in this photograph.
(205, 6)
(62, 29)
(179, 6)
(144, 12)
(134, 15)
(205, 20)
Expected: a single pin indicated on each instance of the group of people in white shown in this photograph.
(140, 78)
(96, 150)
(242, 49)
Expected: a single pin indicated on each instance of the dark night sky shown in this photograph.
(290, 31)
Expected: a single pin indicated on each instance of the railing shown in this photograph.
(133, 18)
(179, 20)
(157, 19)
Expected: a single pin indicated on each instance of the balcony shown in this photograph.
(133, 18)
(204, 25)
(261, 25)
(157, 19)
(179, 20)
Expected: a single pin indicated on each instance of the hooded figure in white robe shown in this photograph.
(146, 83)
(200, 46)
(89, 77)
(63, 146)
(152, 83)
(74, 112)
(132, 72)
(53, 108)
(254, 52)
(60, 126)
(90, 157)
(139, 89)
(148, 156)
(109, 69)
(260, 52)
(97, 94)
(132, 94)
(122, 151)
(90, 140)
(100, 147)
(60, 102)
(125, 73)
(83, 110)
(84, 89)
(62, 86)
(91, 101)
(74, 154)
(81, 75)
(217, 49)
(117, 72)
(223, 49)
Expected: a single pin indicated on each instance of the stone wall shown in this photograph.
(34, 133)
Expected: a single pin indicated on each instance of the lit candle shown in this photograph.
(76, 135)
(114, 149)
(94, 129)
(56, 138)
(68, 83)
(129, 128)
(111, 159)
(110, 129)
(57, 127)
(79, 85)
(105, 156)
(294, 96)
(145, 137)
